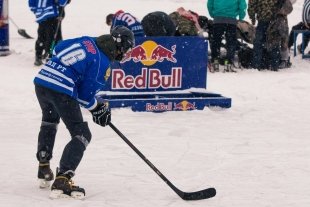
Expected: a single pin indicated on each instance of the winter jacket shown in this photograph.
(227, 8)
(278, 29)
(261, 10)
(306, 12)
(78, 68)
(46, 9)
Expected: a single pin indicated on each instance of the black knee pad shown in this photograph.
(49, 125)
(82, 133)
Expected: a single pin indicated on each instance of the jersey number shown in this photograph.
(73, 56)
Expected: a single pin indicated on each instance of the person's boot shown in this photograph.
(45, 175)
(228, 67)
(63, 187)
(38, 61)
(215, 66)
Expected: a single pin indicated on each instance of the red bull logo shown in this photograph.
(184, 106)
(149, 52)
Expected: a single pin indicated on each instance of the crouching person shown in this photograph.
(78, 69)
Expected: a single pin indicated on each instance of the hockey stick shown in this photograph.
(22, 32)
(56, 32)
(198, 195)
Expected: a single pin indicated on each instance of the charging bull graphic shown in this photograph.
(149, 52)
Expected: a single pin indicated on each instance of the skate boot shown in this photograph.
(228, 67)
(63, 187)
(45, 175)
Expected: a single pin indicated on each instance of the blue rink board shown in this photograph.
(161, 102)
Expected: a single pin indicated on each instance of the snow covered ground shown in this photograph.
(255, 153)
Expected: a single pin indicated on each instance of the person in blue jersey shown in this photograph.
(78, 69)
(121, 18)
(49, 14)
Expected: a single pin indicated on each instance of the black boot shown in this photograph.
(63, 187)
(38, 61)
(45, 174)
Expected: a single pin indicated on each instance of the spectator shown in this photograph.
(121, 18)
(49, 15)
(304, 25)
(263, 12)
(277, 32)
(186, 22)
(224, 14)
(78, 69)
(158, 24)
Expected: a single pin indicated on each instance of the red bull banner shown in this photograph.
(162, 64)
(4, 28)
(163, 74)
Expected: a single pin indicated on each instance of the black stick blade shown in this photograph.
(23, 33)
(199, 195)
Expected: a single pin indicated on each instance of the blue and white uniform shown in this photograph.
(78, 68)
(129, 21)
(44, 9)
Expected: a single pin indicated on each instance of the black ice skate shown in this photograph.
(45, 175)
(63, 187)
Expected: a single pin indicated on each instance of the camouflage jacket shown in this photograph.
(261, 10)
(278, 30)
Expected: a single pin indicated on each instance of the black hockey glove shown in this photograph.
(101, 114)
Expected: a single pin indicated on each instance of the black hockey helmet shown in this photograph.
(124, 40)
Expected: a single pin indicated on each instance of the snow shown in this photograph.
(255, 154)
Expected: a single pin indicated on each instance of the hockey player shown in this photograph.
(121, 18)
(78, 69)
(48, 14)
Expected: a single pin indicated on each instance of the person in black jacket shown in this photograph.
(158, 24)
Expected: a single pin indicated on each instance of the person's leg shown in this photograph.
(70, 113)
(46, 137)
(49, 124)
(51, 25)
(218, 32)
(275, 57)
(231, 41)
(39, 44)
(259, 44)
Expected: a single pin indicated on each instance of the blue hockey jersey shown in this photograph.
(78, 68)
(129, 21)
(44, 9)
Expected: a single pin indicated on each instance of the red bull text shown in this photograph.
(148, 79)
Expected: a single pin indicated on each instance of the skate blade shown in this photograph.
(44, 183)
(58, 194)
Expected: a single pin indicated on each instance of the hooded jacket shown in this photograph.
(227, 8)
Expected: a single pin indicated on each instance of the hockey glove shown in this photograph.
(101, 114)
